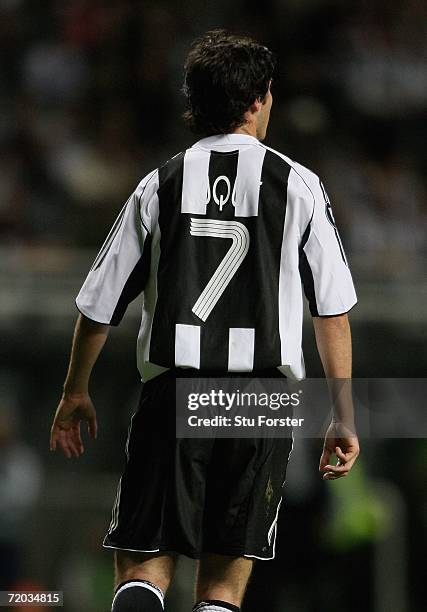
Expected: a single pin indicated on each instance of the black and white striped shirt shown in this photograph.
(220, 240)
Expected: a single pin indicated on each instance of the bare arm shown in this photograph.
(75, 404)
(88, 341)
(333, 338)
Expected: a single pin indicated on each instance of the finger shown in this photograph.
(77, 438)
(331, 476)
(52, 442)
(66, 438)
(351, 450)
(80, 442)
(350, 463)
(337, 469)
(73, 440)
(92, 427)
(72, 446)
(340, 466)
(351, 456)
(63, 442)
(339, 453)
(347, 459)
(324, 459)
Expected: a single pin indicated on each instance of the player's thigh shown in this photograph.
(158, 567)
(222, 577)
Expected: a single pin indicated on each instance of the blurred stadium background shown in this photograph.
(90, 102)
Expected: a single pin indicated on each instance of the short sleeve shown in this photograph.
(121, 268)
(324, 270)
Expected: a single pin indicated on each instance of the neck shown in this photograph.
(247, 128)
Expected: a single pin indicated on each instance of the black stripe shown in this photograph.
(135, 282)
(172, 263)
(140, 197)
(207, 254)
(277, 154)
(327, 201)
(265, 264)
(306, 274)
(222, 164)
(341, 247)
(331, 220)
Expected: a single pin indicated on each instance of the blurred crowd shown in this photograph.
(90, 99)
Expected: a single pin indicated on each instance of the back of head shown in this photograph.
(224, 75)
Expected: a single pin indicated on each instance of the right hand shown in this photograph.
(65, 430)
(341, 441)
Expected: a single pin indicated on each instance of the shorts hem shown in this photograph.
(192, 554)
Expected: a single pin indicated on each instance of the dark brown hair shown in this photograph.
(224, 75)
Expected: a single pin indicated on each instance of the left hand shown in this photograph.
(65, 428)
(341, 441)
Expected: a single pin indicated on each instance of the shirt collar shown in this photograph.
(226, 140)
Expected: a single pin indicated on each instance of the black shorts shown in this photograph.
(194, 496)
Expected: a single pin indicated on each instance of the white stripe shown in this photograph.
(211, 608)
(114, 515)
(187, 345)
(290, 292)
(146, 369)
(241, 346)
(128, 436)
(113, 511)
(118, 503)
(195, 183)
(274, 523)
(154, 550)
(333, 285)
(143, 585)
(248, 181)
(272, 532)
(116, 510)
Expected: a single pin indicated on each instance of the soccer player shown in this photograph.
(218, 240)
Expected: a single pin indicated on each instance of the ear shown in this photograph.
(256, 106)
(264, 100)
